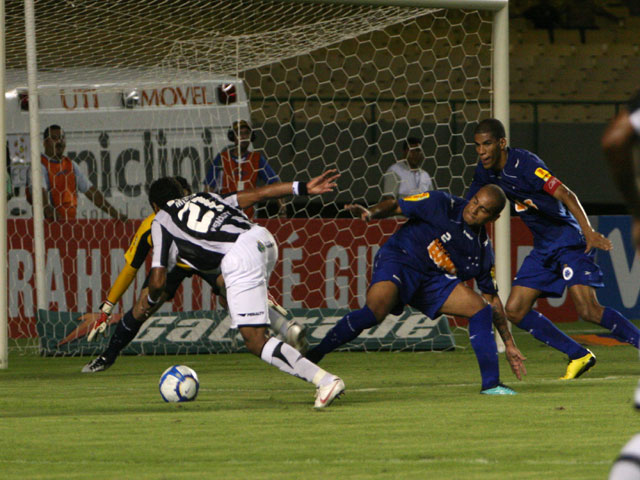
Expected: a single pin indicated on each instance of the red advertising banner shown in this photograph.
(324, 263)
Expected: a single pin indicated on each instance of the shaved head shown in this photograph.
(497, 197)
(485, 206)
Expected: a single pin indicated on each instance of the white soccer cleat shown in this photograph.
(327, 394)
(297, 336)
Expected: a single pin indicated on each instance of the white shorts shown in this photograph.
(246, 269)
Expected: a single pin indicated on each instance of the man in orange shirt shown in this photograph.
(237, 168)
(62, 179)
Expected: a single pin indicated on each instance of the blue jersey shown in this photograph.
(437, 239)
(523, 179)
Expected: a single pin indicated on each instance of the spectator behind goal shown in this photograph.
(406, 177)
(62, 179)
(238, 168)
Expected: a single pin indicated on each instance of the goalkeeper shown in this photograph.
(423, 264)
(292, 332)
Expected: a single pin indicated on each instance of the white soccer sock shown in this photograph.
(289, 360)
(279, 324)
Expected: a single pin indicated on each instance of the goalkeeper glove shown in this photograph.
(271, 302)
(100, 326)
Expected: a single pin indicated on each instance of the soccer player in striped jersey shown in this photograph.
(564, 246)
(208, 232)
(423, 265)
(128, 327)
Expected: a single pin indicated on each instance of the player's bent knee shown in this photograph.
(254, 339)
(378, 311)
(514, 314)
(477, 307)
(381, 298)
(589, 313)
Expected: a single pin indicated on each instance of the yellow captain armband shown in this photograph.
(417, 197)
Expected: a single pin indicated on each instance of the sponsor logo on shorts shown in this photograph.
(567, 273)
(251, 314)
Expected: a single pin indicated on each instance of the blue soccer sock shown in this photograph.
(621, 327)
(544, 330)
(347, 328)
(484, 345)
(126, 330)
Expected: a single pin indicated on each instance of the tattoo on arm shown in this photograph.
(500, 323)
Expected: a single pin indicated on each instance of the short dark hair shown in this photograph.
(184, 183)
(492, 126)
(410, 141)
(51, 127)
(163, 190)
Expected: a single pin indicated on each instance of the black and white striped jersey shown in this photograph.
(197, 230)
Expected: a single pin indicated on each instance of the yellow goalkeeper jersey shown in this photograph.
(135, 257)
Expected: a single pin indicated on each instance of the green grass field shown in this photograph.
(405, 415)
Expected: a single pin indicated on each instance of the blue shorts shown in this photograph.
(425, 291)
(552, 272)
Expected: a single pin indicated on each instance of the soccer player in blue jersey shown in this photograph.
(563, 246)
(424, 264)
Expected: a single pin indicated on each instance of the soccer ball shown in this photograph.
(179, 384)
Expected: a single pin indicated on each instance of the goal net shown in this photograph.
(147, 89)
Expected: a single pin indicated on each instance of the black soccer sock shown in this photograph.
(126, 330)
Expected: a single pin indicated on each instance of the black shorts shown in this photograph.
(177, 274)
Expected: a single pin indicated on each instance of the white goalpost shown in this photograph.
(148, 89)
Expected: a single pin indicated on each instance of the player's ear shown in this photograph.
(155, 207)
(503, 143)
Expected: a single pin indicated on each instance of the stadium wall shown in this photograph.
(312, 272)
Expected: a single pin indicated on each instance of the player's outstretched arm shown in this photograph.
(316, 186)
(515, 358)
(570, 200)
(125, 277)
(385, 208)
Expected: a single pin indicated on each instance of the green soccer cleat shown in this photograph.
(580, 365)
(499, 389)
